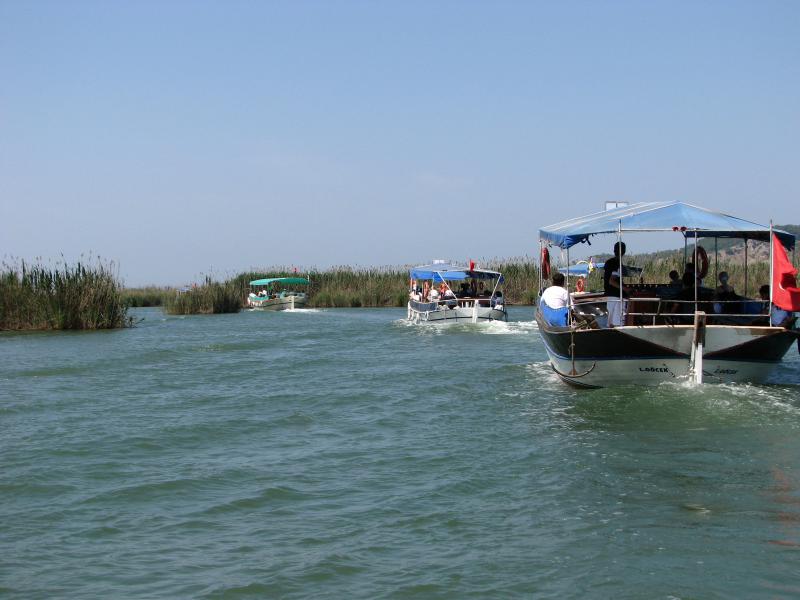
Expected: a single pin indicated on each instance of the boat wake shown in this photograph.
(486, 327)
(509, 327)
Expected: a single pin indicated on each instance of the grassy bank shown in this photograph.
(211, 297)
(69, 297)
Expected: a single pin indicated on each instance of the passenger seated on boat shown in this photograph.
(434, 295)
(684, 299)
(726, 300)
(556, 296)
(723, 287)
(675, 279)
(497, 300)
(555, 301)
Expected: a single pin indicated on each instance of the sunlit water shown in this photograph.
(347, 454)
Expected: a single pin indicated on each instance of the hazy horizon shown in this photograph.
(210, 138)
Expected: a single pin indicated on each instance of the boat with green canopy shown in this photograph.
(277, 293)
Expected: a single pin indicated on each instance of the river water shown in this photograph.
(346, 454)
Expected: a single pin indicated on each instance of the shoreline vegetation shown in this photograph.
(83, 296)
(89, 296)
(371, 287)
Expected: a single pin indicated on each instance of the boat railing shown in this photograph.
(483, 302)
(643, 309)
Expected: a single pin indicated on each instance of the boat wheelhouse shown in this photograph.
(648, 333)
(443, 292)
(277, 293)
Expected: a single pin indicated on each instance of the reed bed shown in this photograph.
(346, 287)
(351, 287)
(388, 286)
(212, 297)
(37, 297)
(146, 296)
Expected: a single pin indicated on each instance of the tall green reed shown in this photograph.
(61, 297)
(146, 296)
(212, 297)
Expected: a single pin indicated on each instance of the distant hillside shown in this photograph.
(730, 250)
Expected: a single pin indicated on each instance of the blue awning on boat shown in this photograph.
(659, 216)
(451, 272)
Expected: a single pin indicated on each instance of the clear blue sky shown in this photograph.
(182, 138)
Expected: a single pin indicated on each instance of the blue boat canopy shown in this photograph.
(286, 280)
(580, 269)
(450, 272)
(659, 216)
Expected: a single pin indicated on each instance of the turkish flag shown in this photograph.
(785, 293)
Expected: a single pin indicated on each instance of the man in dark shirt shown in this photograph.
(611, 282)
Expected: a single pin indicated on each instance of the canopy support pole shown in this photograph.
(541, 248)
(771, 278)
(698, 340)
(695, 273)
(716, 262)
(621, 274)
(685, 254)
(745, 267)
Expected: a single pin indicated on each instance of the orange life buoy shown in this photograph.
(580, 285)
(702, 257)
(545, 263)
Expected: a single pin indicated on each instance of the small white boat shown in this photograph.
(272, 293)
(442, 292)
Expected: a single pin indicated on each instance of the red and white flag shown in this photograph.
(785, 293)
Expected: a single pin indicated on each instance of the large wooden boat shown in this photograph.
(660, 337)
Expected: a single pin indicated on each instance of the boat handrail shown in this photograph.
(749, 317)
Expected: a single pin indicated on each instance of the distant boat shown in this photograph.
(274, 295)
(646, 334)
(442, 292)
(582, 268)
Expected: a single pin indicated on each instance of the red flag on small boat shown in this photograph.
(785, 293)
(471, 265)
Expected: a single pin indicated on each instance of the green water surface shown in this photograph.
(346, 454)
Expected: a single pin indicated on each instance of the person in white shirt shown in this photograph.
(556, 296)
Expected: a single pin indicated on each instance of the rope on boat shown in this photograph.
(573, 374)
